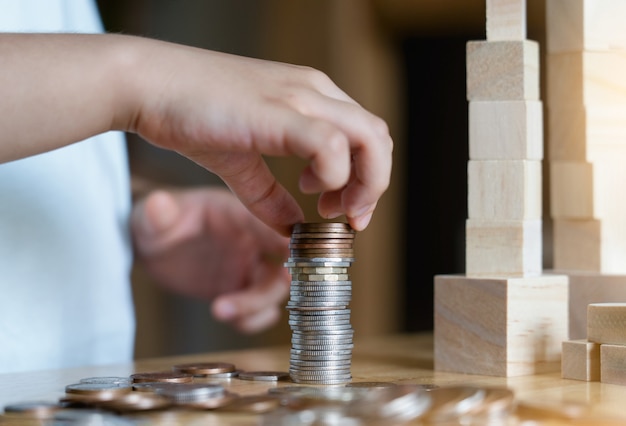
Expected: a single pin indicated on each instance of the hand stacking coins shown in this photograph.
(321, 342)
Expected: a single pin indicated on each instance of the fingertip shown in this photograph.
(361, 222)
(224, 310)
(158, 212)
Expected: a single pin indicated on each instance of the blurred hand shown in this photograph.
(204, 243)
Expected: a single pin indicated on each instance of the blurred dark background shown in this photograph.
(402, 59)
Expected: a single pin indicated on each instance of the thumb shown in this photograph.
(152, 217)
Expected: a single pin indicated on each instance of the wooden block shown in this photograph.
(612, 365)
(504, 189)
(505, 130)
(586, 78)
(606, 323)
(502, 70)
(580, 360)
(577, 245)
(499, 326)
(503, 248)
(506, 20)
(577, 25)
(586, 133)
(586, 288)
(589, 216)
(571, 190)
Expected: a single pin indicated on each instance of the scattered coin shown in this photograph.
(371, 385)
(95, 392)
(205, 368)
(265, 376)
(32, 410)
(162, 376)
(113, 380)
(256, 404)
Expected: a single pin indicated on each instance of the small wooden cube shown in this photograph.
(580, 360)
(586, 288)
(586, 78)
(612, 364)
(504, 189)
(506, 20)
(500, 326)
(606, 323)
(503, 248)
(571, 190)
(577, 25)
(502, 70)
(505, 130)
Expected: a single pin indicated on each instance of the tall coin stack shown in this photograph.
(321, 342)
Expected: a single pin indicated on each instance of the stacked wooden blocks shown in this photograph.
(599, 357)
(586, 98)
(504, 317)
(586, 64)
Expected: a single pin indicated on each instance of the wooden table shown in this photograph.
(402, 359)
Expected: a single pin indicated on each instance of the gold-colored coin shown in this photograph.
(205, 368)
(162, 376)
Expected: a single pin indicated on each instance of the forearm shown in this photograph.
(61, 88)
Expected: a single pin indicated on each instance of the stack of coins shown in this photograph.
(321, 343)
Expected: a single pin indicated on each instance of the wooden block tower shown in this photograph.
(586, 99)
(503, 317)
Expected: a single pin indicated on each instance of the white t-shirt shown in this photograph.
(65, 253)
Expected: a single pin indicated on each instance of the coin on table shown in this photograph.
(257, 404)
(162, 376)
(136, 401)
(205, 368)
(451, 402)
(181, 393)
(391, 404)
(264, 376)
(94, 392)
(371, 385)
(32, 409)
(499, 402)
(112, 380)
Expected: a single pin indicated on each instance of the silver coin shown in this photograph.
(189, 392)
(322, 313)
(297, 363)
(299, 344)
(321, 277)
(312, 353)
(320, 375)
(315, 329)
(325, 348)
(113, 380)
(314, 368)
(343, 334)
(320, 357)
(319, 270)
(228, 375)
(320, 382)
(322, 321)
(265, 376)
(320, 299)
(320, 293)
(315, 302)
